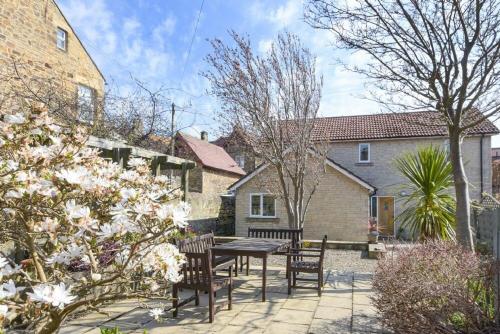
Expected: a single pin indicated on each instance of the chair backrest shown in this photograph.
(198, 244)
(323, 248)
(296, 235)
(196, 272)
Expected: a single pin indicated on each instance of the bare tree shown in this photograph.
(141, 117)
(440, 55)
(275, 99)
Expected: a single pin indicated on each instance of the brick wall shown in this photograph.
(28, 33)
(339, 208)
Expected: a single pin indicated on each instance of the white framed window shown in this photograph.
(364, 152)
(262, 205)
(86, 100)
(240, 160)
(62, 39)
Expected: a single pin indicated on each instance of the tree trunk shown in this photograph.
(464, 231)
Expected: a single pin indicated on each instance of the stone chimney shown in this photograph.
(204, 135)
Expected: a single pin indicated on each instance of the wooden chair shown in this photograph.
(295, 235)
(197, 275)
(295, 266)
(200, 244)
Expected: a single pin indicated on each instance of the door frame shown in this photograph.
(393, 211)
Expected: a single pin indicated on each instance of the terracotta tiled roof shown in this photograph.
(211, 155)
(389, 125)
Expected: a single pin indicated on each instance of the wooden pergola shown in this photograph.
(120, 152)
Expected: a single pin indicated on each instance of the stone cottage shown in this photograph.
(361, 181)
(209, 180)
(36, 36)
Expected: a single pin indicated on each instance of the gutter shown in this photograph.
(481, 162)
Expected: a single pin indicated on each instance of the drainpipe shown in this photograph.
(481, 163)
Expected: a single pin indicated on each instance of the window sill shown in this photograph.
(264, 219)
(364, 164)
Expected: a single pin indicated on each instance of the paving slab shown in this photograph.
(294, 317)
(344, 307)
(276, 327)
(332, 313)
(325, 326)
(251, 319)
(301, 304)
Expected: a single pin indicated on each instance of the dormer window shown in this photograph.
(364, 152)
(62, 39)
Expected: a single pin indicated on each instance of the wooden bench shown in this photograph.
(200, 244)
(295, 235)
(197, 274)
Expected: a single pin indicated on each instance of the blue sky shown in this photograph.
(150, 39)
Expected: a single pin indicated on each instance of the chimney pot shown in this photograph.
(204, 135)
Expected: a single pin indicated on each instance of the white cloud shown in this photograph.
(131, 26)
(265, 45)
(165, 29)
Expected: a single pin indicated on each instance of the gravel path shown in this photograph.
(335, 259)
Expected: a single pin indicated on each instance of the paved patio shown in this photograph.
(344, 307)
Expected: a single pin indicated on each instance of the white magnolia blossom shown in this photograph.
(8, 290)
(47, 225)
(179, 213)
(73, 176)
(96, 277)
(65, 257)
(55, 295)
(4, 310)
(156, 313)
(87, 216)
(142, 209)
(11, 165)
(14, 194)
(127, 193)
(8, 270)
(14, 119)
(75, 211)
(137, 162)
(130, 175)
(3, 262)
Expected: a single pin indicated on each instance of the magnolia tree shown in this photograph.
(91, 232)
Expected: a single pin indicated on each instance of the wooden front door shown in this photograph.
(385, 217)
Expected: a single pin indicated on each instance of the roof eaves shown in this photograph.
(79, 40)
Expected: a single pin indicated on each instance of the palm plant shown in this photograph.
(429, 209)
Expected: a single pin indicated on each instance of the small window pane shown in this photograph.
(85, 103)
(364, 152)
(256, 205)
(374, 207)
(61, 38)
(268, 206)
(240, 160)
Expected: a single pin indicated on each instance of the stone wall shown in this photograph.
(28, 35)
(339, 208)
(207, 203)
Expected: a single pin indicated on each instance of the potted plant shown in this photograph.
(372, 231)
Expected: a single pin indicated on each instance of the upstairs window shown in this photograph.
(240, 160)
(262, 205)
(86, 103)
(62, 39)
(364, 152)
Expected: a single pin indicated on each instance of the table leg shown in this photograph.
(264, 270)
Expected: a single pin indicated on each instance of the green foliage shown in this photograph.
(114, 330)
(429, 209)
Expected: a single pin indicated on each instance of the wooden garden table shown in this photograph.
(254, 247)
